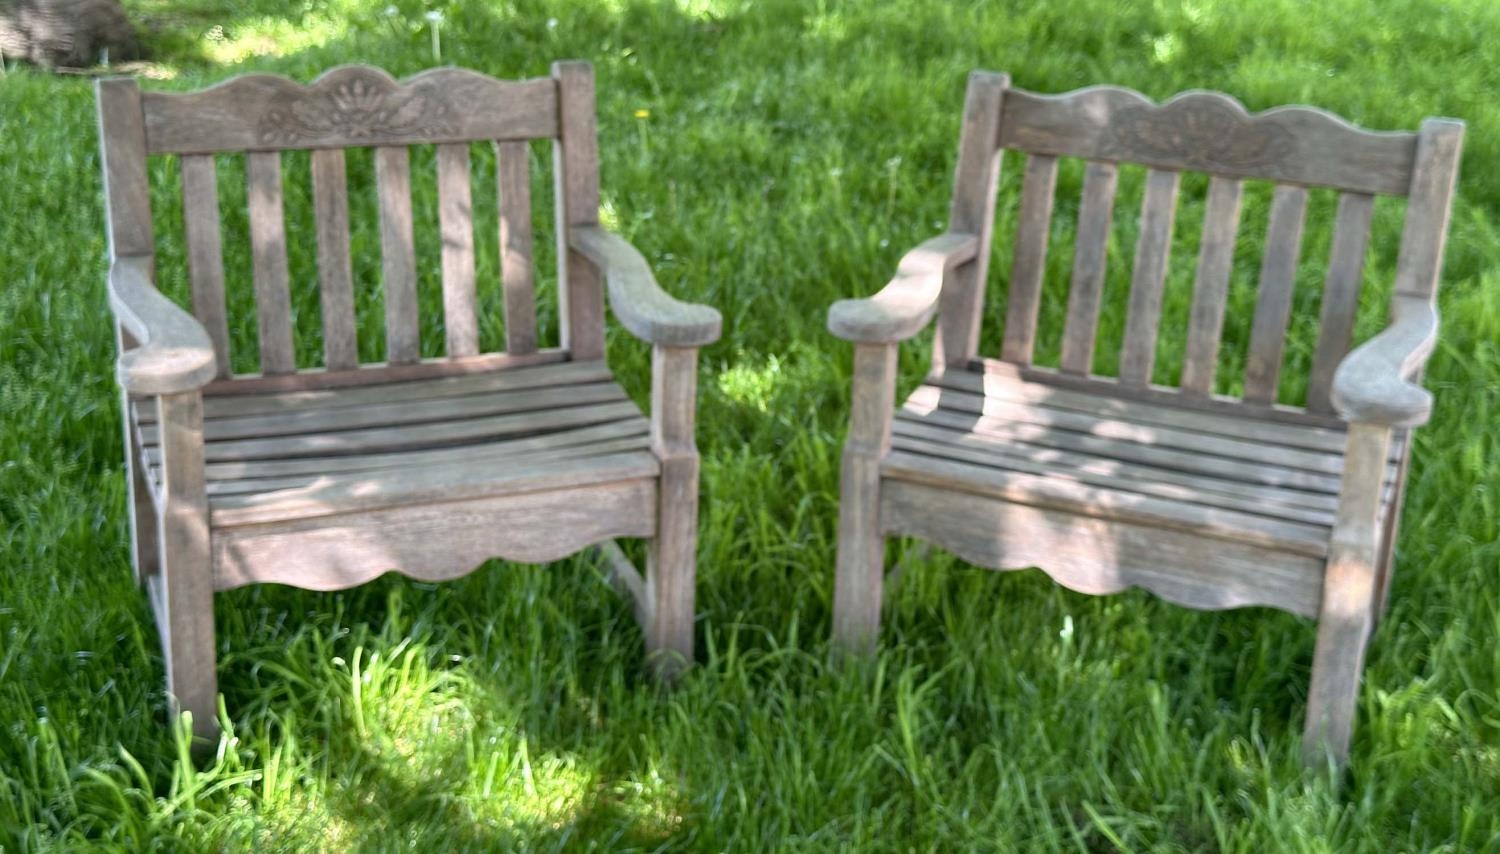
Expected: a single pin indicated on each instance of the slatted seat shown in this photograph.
(1104, 482)
(324, 475)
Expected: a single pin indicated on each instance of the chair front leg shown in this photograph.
(861, 547)
(1349, 597)
(672, 555)
(183, 592)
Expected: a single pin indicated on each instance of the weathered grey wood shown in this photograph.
(576, 175)
(904, 306)
(186, 614)
(398, 255)
(1429, 205)
(1391, 526)
(273, 302)
(122, 149)
(857, 592)
(972, 212)
(626, 580)
(1221, 222)
(1090, 254)
(1112, 475)
(1165, 395)
(1101, 402)
(205, 257)
(1209, 132)
(1346, 612)
(173, 353)
(1374, 384)
(1101, 556)
(1152, 249)
(145, 554)
(1273, 305)
(332, 553)
(335, 276)
(1024, 298)
(456, 482)
(671, 556)
(349, 106)
(643, 308)
(381, 372)
(513, 181)
(1346, 267)
(456, 220)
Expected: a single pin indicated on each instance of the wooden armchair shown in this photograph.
(1112, 482)
(326, 477)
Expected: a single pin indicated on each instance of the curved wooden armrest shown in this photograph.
(175, 354)
(903, 307)
(647, 311)
(1373, 383)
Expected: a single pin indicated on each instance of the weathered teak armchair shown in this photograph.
(1112, 482)
(325, 477)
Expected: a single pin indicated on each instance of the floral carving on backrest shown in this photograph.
(354, 103)
(1202, 130)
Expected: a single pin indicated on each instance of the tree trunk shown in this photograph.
(66, 33)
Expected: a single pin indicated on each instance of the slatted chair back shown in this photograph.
(261, 116)
(1297, 148)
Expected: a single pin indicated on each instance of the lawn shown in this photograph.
(768, 158)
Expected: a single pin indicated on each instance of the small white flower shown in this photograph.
(551, 23)
(1067, 630)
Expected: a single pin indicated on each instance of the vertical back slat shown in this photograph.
(513, 181)
(1158, 209)
(205, 256)
(398, 255)
(972, 212)
(1221, 222)
(1273, 308)
(576, 172)
(1346, 268)
(273, 304)
(335, 276)
(1090, 253)
(1024, 297)
(456, 222)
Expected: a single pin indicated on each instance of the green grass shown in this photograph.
(790, 154)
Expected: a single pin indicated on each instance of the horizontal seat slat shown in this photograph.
(1291, 504)
(457, 481)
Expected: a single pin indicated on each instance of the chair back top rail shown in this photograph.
(349, 106)
(1200, 131)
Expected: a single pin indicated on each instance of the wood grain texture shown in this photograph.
(1024, 295)
(1273, 305)
(576, 175)
(1100, 556)
(333, 553)
(398, 256)
(672, 555)
(1221, 222)
(1346, 267)
(972, 211)
(860, 569)
(335, 275)
(122, 152)
(379, 372)
(184, 587)
(456, 222)
(1430, 204)
(1209, 132)
(172, 352)
(1346, 612)
(517, 265)
(1152, 249)
(642, 307)
(906, 305)
(205, 256)
(1090, 255)
(349, 106)
(273, 302)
